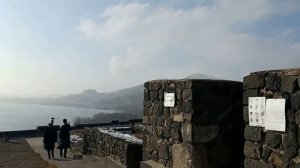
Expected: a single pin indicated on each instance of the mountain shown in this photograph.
(128, 100)
(199, 76)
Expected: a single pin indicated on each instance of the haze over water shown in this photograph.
(28, 116)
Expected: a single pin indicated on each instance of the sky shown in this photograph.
(61, 47)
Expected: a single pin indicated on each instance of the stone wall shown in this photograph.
(203, 129)
(124, 148)
(268, 149)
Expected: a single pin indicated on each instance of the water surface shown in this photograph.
(27, 116)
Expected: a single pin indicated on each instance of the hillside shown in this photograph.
(128, 100)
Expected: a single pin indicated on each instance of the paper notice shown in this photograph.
(169, 99)
(275, 114)
(257, 111)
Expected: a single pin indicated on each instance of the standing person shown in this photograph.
(49, 140)
(64, 138)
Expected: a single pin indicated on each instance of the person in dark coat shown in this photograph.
(64, 138)
(50, 138)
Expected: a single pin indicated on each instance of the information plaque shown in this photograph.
(169, 99)
(275, 114)
(257, 111)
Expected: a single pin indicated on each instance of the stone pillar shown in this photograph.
(203, 129)
(265, 148)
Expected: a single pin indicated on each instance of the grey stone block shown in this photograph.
(150, 164)
(253, 81)
(295, 100)
(252, 150)
(289, 141)
(288, 84)
(273, 82)
(266, 153)
(295, 163)
(253, 133)
(246, 114)
(249, 93)
(273, 139)
(278, 160)
(251, 163)
(290, 116)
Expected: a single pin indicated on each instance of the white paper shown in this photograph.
(275, 114)
(257, 111)
(169, 99)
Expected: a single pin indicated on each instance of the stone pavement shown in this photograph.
(87, 161)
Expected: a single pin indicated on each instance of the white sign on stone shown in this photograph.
(275, 114)
(257, 111)
(169, 99)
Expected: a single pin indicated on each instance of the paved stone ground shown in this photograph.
(18, 154)
(87, 161)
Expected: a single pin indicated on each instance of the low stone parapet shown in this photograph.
(124, 148)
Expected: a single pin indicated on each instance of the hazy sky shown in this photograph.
(66, 46)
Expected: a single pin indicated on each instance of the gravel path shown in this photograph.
(18, 154)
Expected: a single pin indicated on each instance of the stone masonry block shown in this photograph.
(253, 81)
(250, 93)
(186, 132)
(252, 150)
(295, 163)
(288, 84)
(278, 160)
(246, 114)
(251, 163)
(266, 153)
(182, 155)
(289, 141)
(290, 116)
(273, 82)
(273, 139)
(253, 133)
(296, 100)
(187, 95)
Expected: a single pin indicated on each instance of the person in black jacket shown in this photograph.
(64, 138)
(50, 138)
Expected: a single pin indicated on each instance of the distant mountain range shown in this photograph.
(127, 100)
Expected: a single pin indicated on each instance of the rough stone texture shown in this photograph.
(252, 150)
(253, 81)
(295, 163)
(253, 133)
(251, 163)
(205, 121)
(150, 164)
(100, 144)
(266, 153)
(290, 116)
(296, 100)
(273, 139)
(288, 84)
(289, 141)
(278, 160)
(280, 149)
(273, 82)
(250, 93)
(246, 114)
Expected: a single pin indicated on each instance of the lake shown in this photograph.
(27, 116)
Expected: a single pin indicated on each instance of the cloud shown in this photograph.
(149, 41)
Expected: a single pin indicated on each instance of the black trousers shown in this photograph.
(63, 150)
(52, 153)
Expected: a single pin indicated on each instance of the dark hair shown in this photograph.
(65, 121)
